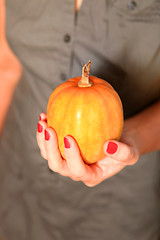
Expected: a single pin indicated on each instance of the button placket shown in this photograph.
(132, 5)
(67, 39)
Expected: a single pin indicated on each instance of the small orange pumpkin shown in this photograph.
(88, 109)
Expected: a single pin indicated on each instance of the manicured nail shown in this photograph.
(112, 148)
(66, 143)
(40, 118)
(40, 128)
(47, 135)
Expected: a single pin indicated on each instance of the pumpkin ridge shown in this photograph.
(91, 115)
(68, 103)
(101, 96)
(114, 98)
(61, 91)
(112, 92)
(101, 82)
(96, 136)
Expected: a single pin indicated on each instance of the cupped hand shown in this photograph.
(117, 156)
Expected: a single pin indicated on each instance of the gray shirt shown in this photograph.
(122, 40)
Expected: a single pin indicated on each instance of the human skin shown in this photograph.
(10, 66)
(78, 4)
(141, 134)
(10, 69)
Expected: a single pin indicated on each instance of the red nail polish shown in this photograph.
(66, 143)
(40, 118)
(47, 135)
(40, 128)
(112, 148)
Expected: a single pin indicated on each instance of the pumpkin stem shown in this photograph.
(84, 82)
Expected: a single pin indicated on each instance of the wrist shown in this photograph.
(144, 129)
(131, 135)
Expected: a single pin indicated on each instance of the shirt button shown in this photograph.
(63, 76)
(67, 38)
(132, 5)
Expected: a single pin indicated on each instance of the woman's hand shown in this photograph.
(118, 155)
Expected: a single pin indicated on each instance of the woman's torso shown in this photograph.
(52, 42)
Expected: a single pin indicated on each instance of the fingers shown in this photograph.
(42, 125)
(117, 154)
(128, 155)
(55, 161)
(74, 166)
(43, 117)
(48, 144)
(75, 163)
(73, 157)
(40, 137)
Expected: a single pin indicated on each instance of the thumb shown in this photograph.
(128, 155)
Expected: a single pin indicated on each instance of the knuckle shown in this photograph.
(77, 173)
(90, 184)
(75, 179)
(43, 154)
(54, 166)
(129, 156)
(129, 153)
(50, 165)
(131, 163)
(134, 156)
(134, 160)
(64, 174)
(40, 139)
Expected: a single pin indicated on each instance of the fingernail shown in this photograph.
(47, 135)
(66, 143)
(40, 128)
(112, 148)
(40, 118)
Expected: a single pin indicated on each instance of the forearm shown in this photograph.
(9, 78)
(145, 129)
(6, 93)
